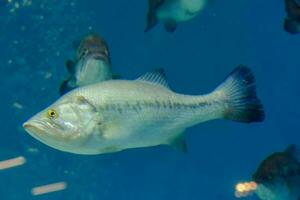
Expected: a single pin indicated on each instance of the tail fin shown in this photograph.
(292, 19)
(292, 9)
(239, 91)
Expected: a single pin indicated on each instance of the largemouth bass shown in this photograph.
(116, 115)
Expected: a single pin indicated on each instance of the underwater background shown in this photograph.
(36, 39)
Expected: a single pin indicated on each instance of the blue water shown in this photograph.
(36, 40)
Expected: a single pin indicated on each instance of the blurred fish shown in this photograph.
(278, 176)
(92, 64)
(292, 19)
(172, 12)
(114, 115)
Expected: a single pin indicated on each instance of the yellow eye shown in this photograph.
(52, 114)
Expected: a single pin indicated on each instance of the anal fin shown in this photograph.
(170, 26)
(117, 76)
(179, 143)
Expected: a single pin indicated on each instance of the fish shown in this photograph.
(116, 115)
(172, 12)
(278, 176)
(92, 64)
(292, 19)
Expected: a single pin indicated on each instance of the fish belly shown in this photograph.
(180, 11)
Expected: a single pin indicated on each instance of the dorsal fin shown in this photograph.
(156, 77)
(293, 151)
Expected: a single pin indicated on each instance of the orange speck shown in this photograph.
(253, 185)
(247, 187)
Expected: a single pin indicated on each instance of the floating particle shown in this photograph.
(17, 105)
(48, 75)
(44, 189)
(17, 5)
(57, 53)
(14, 162)
(32, 150)
(245, 189)
(27, 3)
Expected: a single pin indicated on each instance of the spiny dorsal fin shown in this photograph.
(156, 77)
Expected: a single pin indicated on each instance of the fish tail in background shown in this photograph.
(239, 93)
(151, 15)
(292, 8)
(291, 22)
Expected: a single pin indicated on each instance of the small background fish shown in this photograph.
(172, 12)
(278, 176)
(92, 64)
(292, 19)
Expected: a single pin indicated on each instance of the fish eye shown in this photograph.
(52, 114)
(85, 52)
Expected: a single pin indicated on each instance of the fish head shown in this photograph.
(93, 46)
(277, 174)
(65, 125)
(93, 61)
(276, 166)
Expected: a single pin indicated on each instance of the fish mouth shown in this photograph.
(35, 127)
(99, 56)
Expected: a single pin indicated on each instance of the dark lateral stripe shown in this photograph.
(140, 105)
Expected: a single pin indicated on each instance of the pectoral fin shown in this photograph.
(64, 87)
(170, 26)
(70, 65)
(81, 100)
(179, 142)
(151, 15)
(116, 76)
